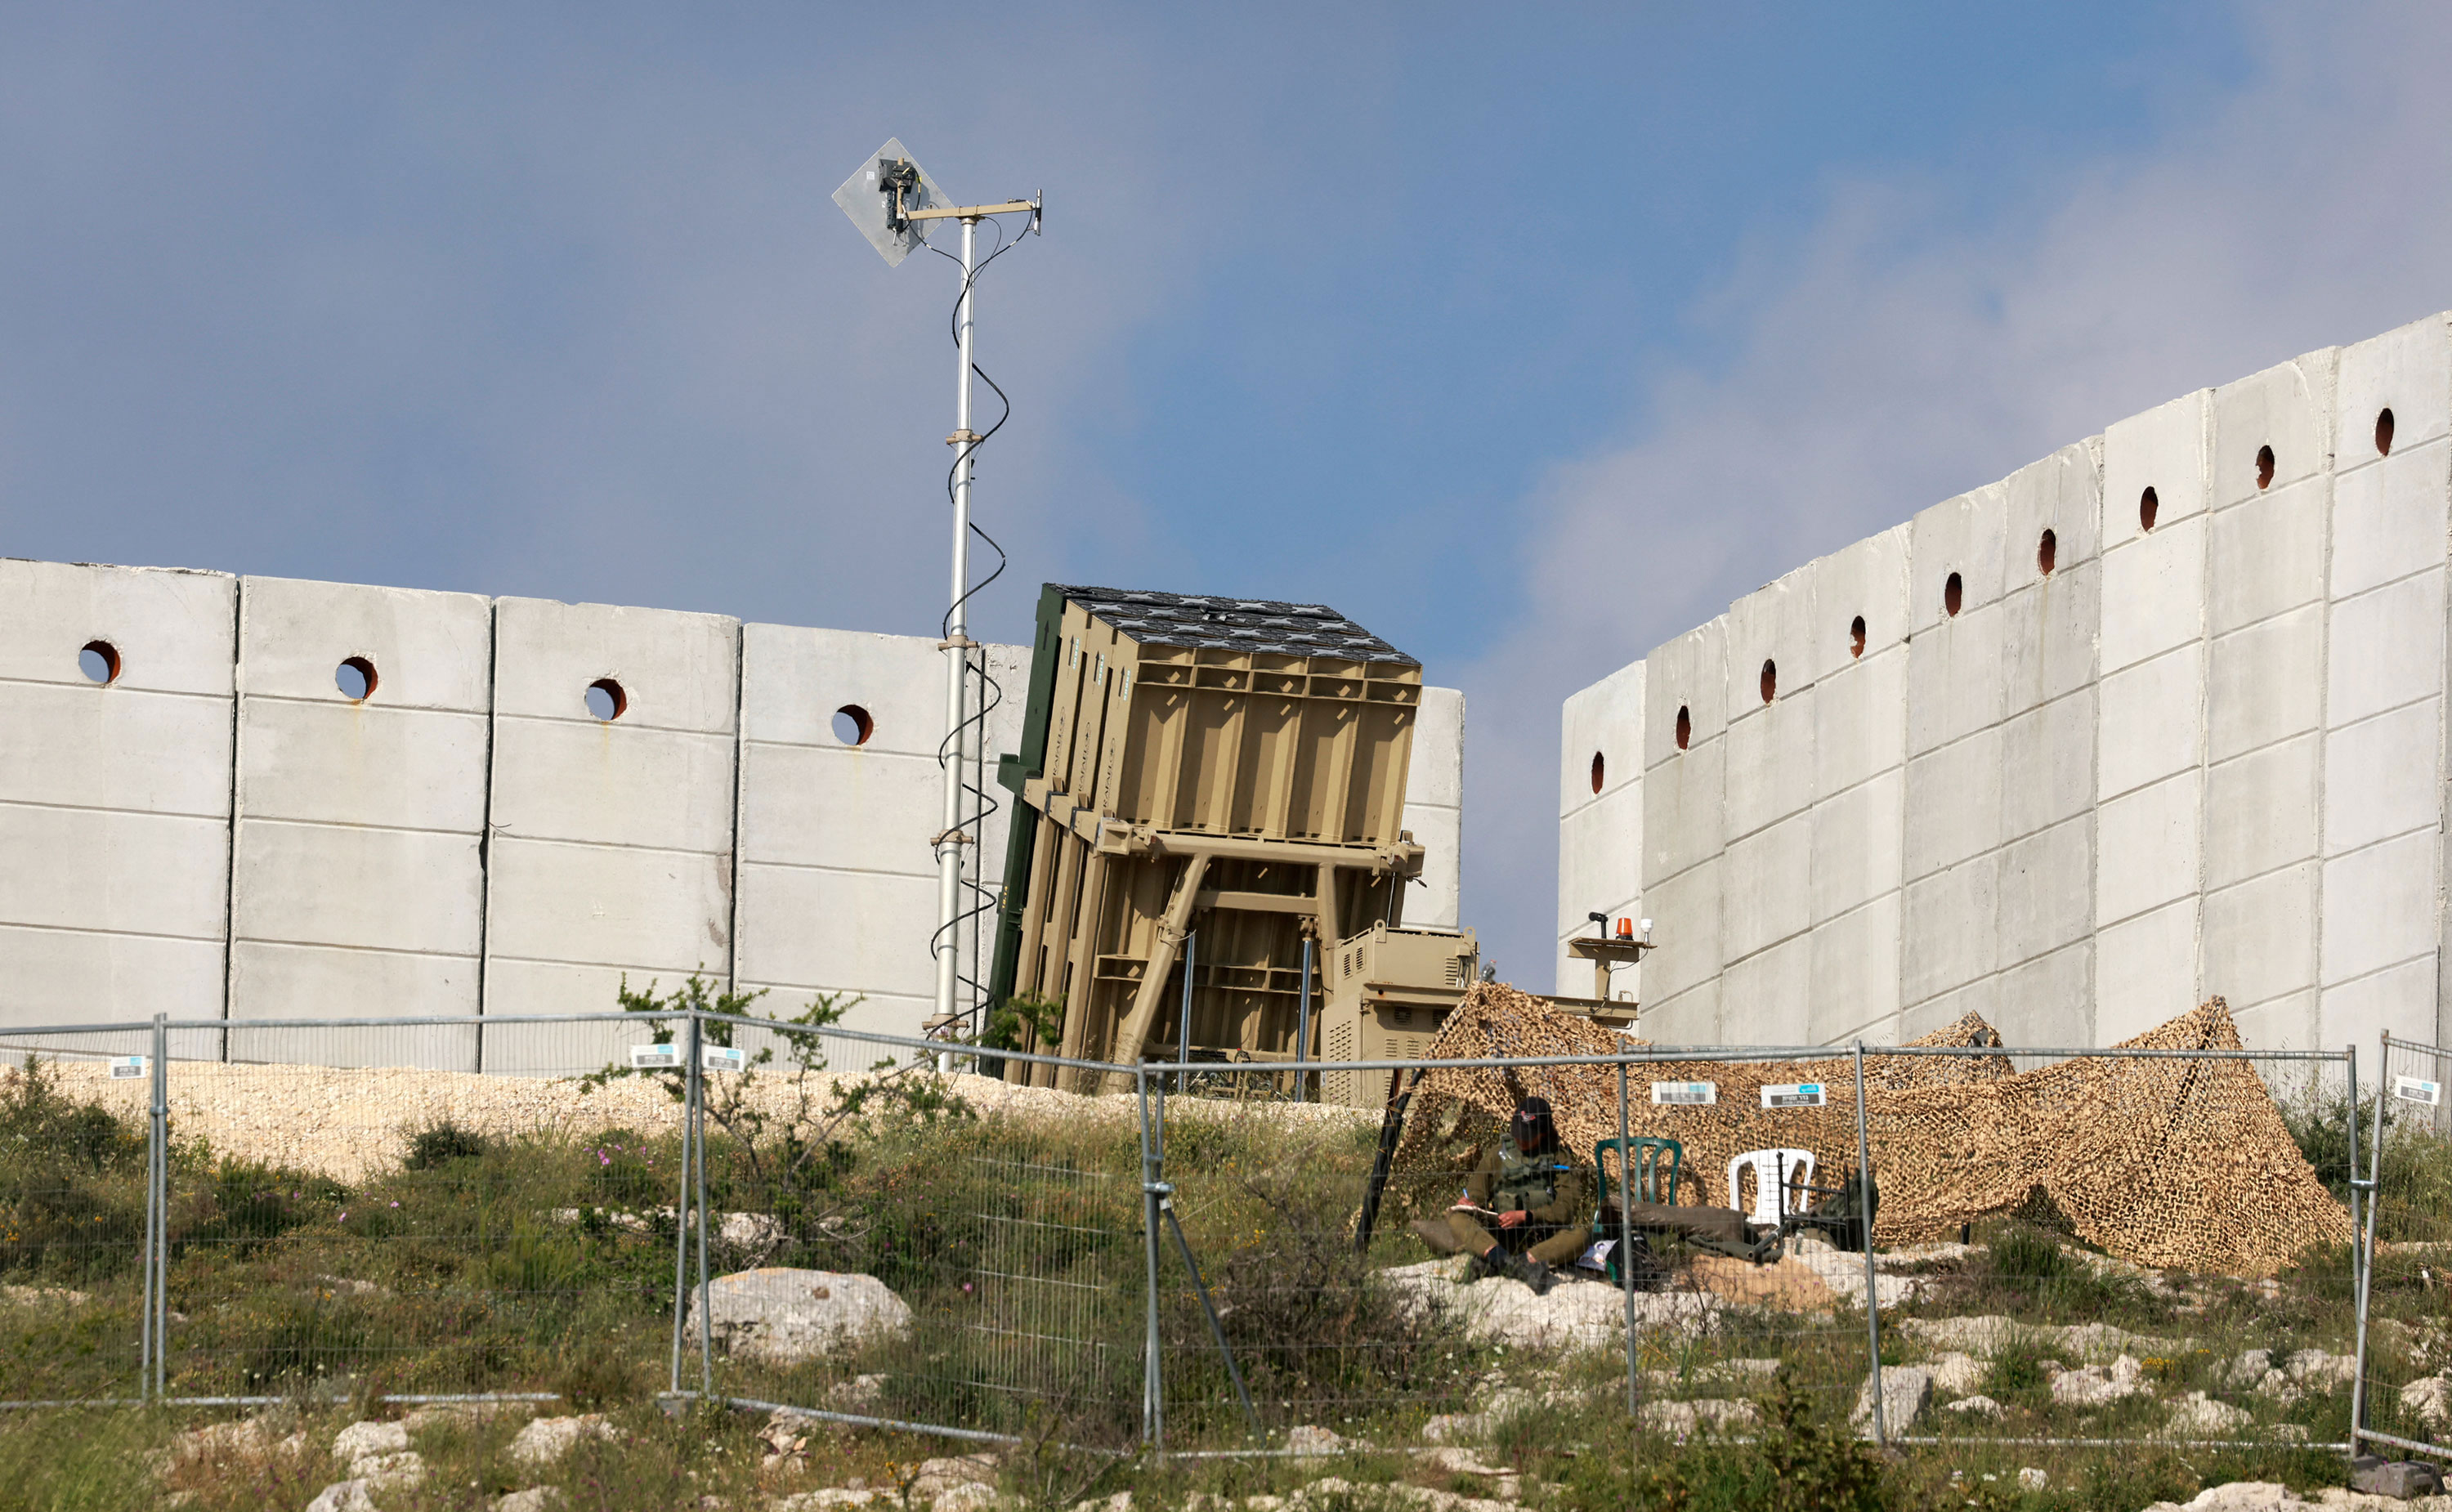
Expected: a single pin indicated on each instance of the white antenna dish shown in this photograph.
(880, 195)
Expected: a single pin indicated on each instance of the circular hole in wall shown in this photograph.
(2383, 433)
(99, 661)
(606, 700)
(2264, 467)
(2146, 506)
(1685, 727)
(1954, 593)
(1856, 636)
(1769, 681)
(2047, 552)
(355, 677)
(1596, 772)
(853, 727)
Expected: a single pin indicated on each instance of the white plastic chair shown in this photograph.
(1777, 1174)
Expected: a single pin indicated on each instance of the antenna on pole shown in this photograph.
(894, 205)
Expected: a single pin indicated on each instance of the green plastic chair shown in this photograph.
(1645, 1157)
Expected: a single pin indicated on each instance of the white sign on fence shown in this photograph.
(1797, 1094)
(124, 1068)
(1685, 1094)
(723, 1058)
(655, 1057)
(2410, 1089)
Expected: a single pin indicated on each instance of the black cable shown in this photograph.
(979, 807)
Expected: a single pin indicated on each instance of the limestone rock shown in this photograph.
(535, 1498)
(826, 1500)
(2033, 1478)
(342, 1496)
(1685, 1418)
(2094, 1385)
(2238, 1496)
(2430, 1400)
(937, 1476)
(1956, 1374)
(782, 1316)
(546, 1439)
(972, 1496)
(1906, 1391)
(2402, 1480)
(364, 1441)
(1306, 1439)
(2199, 1415)
(1980, 1405)
(2319, 1370)
(1986, 1334)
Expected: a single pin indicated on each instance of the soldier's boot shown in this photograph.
(1518, 1267)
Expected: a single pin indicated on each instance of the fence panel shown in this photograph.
(343, 1217)
(2118, 1245)
(939, 1249)
(72, 1214)
(2406, 1374)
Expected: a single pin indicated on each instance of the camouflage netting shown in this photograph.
(2175, 1164)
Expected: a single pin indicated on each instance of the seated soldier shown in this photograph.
(1539, 1202)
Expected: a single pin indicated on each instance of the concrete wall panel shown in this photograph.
(1950, 930)
(2380, 779)
(1770, 766)
(2286, 409)
(2047, 765)
(1954, 803)
(1868, 581)
(2260, 811)
(2400, 999)
(2266, 555)
(2267, 683)
(2050, 1001)
(2045, 898)
(1765, 999)
(2260, 936)
(1956, 682)
(122, 790)
(2408, 371)
(2156, 859)
(2380, 907)
(2144, 971)
(1766, 883)
(2388, 516)
(1859, 724)
(2387, 649)
(2150, 727)
(1857, 841)
(1855, 984)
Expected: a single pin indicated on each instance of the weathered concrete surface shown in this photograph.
(223, 831)
(2201, 754)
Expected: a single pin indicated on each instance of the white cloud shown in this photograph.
(1879, 368)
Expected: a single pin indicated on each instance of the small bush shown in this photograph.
(438, 1144)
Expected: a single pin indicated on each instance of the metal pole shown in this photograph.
(157, 1218)
(681, 1250)
(697, 1114)
(950, 838)
(1865, 1211)
(2363, 1262)
(1626, 1240)
(1302, 1024)
(1183, 1033)
(1152, 1160)
(1216, 1328)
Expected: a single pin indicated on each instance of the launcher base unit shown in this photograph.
(1204, 785)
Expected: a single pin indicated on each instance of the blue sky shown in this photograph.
(1528, 339)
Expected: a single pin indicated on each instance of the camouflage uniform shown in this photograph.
(1554, 1197)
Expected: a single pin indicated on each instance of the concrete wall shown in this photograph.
(220, 831)
(2201, 757)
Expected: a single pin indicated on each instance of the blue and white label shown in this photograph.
(128, 1067)
(1795, 1095)
(2410, 1089)
(1684, 1094)
(655, 1057)
(723, 1058)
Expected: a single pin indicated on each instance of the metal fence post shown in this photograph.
(1626, 1238)
(1152, 1383)
(1872, 1288)
(155, 1347)
(2362, 1244)
(681, 1242)
(695, 1115)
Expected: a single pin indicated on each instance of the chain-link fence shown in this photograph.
(2405, 1344)
(2065, 1247)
